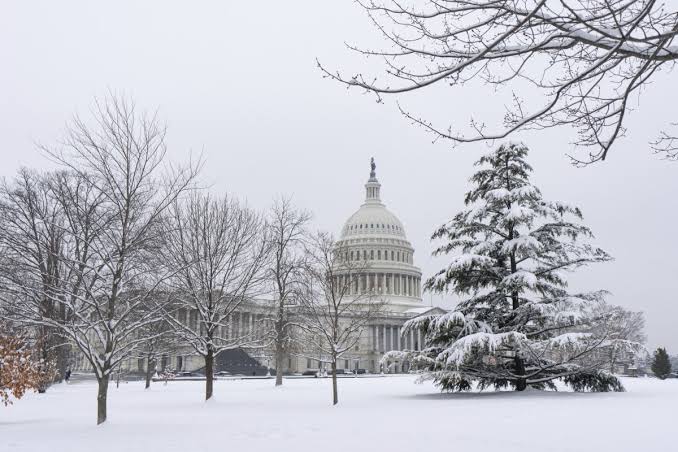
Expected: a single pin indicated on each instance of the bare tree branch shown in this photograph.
(586, 58)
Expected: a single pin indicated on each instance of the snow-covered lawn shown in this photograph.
(389, 414)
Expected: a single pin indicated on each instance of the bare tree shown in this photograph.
(587, 58)
(288, 235)
(220, 250)
(32, 240)
(334, 311)
(112, 208)
(622, 326)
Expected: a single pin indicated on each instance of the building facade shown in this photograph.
(375, 235)
(372, 234)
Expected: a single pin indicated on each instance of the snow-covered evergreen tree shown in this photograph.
(661, 365)
(517, 324)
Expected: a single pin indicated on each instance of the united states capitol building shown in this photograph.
(372, 234)
(376, 235)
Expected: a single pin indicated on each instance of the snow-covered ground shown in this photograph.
(390, 414)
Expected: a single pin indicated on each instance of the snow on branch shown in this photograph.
(587, 59)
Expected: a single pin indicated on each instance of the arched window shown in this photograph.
(371, 254)
(364, 255)
(392, 255)
(398, 256)
(379, 255)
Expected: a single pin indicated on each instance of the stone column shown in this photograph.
(384, 346)
(377, 337)
(390, 339)
(383, 338)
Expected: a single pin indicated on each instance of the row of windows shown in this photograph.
(355, 227)
(395, 256)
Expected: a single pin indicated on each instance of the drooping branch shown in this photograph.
(586, 58)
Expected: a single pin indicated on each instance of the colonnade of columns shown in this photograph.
(382, 283)
(237, 324)
(385, 338)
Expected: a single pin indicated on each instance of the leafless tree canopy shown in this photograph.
(217, 250)
(587, 58)
(32, 239)
(334, 316)
(108, 202)
(288, 235)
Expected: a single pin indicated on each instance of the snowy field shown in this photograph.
(390, 414)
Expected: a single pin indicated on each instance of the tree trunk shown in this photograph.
(101, 399)
(335, 395)
(149, 373)
(279, 357)
(521, 383)
(612, 359)
(209, 373)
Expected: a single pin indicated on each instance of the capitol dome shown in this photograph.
(374, 234)
(373, 218)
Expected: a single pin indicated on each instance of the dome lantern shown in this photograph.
(372, 187)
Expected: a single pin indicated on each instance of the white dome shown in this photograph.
(375, 235)
(373, 219)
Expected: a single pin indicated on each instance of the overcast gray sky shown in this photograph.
(237, 81)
